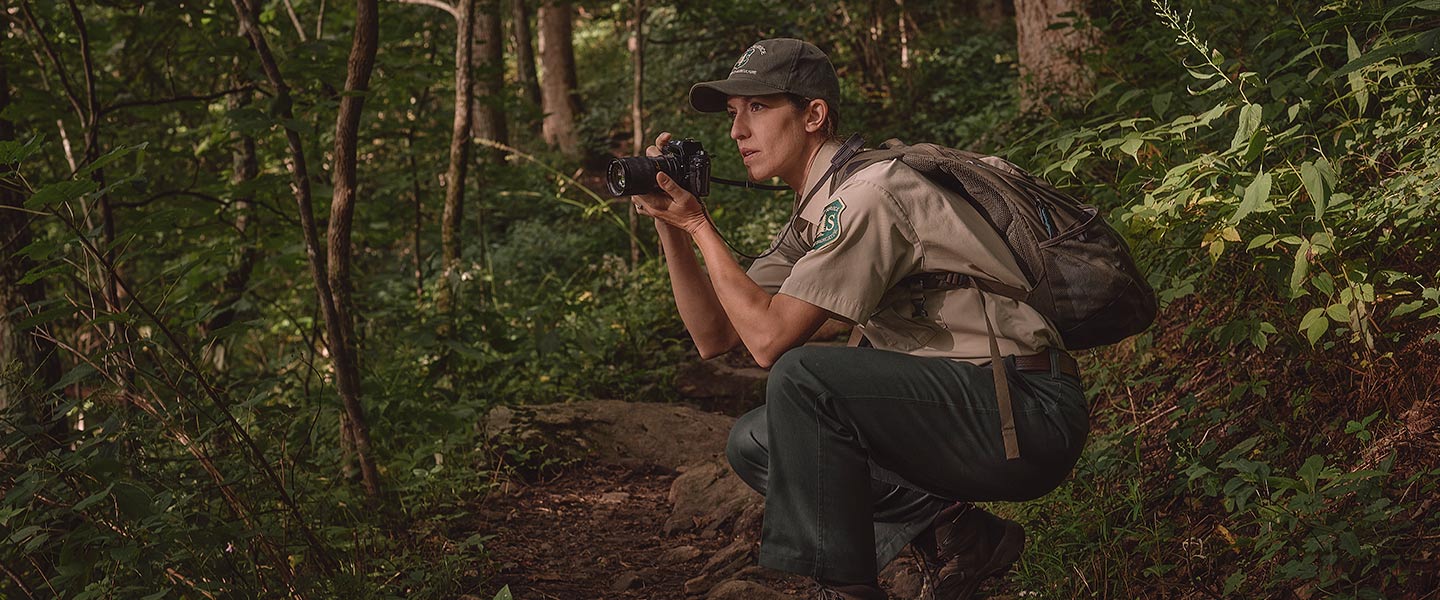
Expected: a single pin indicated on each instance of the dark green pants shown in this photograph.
(857, 449)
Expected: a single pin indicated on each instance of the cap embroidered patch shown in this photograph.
(829, 224)
(746, 58)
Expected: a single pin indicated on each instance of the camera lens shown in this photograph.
(631, 176)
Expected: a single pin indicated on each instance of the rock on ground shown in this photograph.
(669, 435)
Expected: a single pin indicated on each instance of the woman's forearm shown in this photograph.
(695, 297)
(767, 324)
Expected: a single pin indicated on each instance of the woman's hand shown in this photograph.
(670, 204)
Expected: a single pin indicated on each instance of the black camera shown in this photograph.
(685, 161)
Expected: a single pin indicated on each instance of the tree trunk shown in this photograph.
(488, 59)
(244, 168)
(524, 51)
(992, 13)
(360, 65)
(346, 376)
(637, 114)
(27, 363)
(557, 82)
(1052, 60)
(459, 157)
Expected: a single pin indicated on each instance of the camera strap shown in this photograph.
(749, 185)
(847, 151)
(852, 146)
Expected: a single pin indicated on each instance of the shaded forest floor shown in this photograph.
(594, 531)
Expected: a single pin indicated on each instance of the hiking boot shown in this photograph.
(963, 547)
(856, 591)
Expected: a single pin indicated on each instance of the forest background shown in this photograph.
(265, 263)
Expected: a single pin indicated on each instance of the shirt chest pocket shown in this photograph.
(907, 319)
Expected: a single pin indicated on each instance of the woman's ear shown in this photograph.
(815, 114)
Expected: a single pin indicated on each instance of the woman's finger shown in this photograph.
(668, 184)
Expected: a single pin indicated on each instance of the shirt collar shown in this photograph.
(812, 211)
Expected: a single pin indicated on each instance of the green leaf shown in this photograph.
(1310, 471)
(504, 594)
(1257, 146)
(38, 273)
(12, 151)
(1161, 102)
(1338, 313)
(1233, 582)
(1314, 324)
(1357, 82)
(1406, 44)
(1249, 124)
(133, 501)
(92, 499)
(80, 372)
(1132, 146)
(58, 311)
(1212, 114)
(1257, 192)
(125, 554)
(1407, 308)
(110, 157)
(1315, 187)
(60, 192)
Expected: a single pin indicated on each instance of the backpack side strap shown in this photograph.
(947, 280)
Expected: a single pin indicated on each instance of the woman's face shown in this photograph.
(771, 136)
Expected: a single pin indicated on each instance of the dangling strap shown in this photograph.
(945, 280)
(1002, 390)
(847, 151)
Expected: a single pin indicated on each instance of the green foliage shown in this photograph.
(1279, 184)
(1275, 167)
(1280, 174)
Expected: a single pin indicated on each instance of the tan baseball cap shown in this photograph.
(781, 65)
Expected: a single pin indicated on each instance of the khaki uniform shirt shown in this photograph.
(851, 248)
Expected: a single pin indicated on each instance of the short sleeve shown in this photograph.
(863, 246)
(771, 270)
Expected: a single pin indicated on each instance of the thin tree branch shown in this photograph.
(220, 399)
(454, 12)
(320, 21)
(189, 98)
(295, 20)
(55, 59)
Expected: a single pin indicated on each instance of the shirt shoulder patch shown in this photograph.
(829, 224)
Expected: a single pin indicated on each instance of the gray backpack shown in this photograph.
(1080, 270)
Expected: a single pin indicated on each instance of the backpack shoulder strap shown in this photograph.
(888, 150)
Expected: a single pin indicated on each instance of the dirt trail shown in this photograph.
(615, 524)
(593, 532)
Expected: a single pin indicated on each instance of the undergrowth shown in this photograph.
(1271, 436)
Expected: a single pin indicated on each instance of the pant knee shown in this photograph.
(746, 449)
(794, 374)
